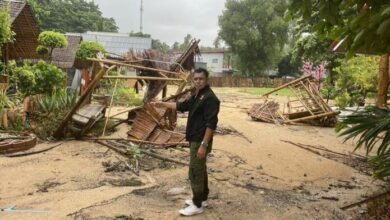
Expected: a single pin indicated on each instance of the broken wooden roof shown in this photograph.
(26, 29)
(65, 58)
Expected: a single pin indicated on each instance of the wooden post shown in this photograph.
(164, 92)
(383, 81)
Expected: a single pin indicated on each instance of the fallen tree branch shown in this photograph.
(158, 156)
(374, 197)
(34, 152)
(305, 146)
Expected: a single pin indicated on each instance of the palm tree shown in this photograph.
(372, 129)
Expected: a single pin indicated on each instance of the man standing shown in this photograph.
(203, 107)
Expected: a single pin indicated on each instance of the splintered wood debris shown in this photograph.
(306, 106)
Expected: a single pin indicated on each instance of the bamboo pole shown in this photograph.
(133, 66)
(313, 117)
(144, 78)
(109, 108)
(286, 85)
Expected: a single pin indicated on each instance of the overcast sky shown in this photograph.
(167, 20)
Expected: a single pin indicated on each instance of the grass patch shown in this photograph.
(262, 91)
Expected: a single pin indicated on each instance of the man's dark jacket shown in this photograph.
(203, 113)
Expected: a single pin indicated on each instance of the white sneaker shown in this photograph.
(190, 202)
(191, 210)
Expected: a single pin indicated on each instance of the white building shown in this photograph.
(213, 60)
(117, 43)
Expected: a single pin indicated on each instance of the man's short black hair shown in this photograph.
(202, 70)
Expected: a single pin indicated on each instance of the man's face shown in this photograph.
(200, 80)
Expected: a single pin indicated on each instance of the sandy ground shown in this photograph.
(257, 177)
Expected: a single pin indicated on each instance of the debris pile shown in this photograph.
(150, 125)
(306, 106)
(266, 112)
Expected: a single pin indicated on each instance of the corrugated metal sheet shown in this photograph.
(118, 43)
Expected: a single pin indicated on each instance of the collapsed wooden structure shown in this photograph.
(149, 124)
(306, 106)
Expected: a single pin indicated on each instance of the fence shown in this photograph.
(228, 81)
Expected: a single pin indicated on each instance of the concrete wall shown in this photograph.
(214, 62)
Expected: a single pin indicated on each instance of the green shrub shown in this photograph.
(5, 102)
(343, 100)
(88, 49)
(50, 40)
(48, 78)
(127, 96)
(25, 80)
(6, 33)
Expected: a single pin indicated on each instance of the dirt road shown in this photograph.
(255, 175)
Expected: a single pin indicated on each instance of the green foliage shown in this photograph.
(343, 100)
(2, 66)
(88, 49)
(372, 130)
(40, 78)
(5, 101)
(42, 50)
(364, 25)
(6, 34)
(48, 78)
(25, 79)
(49, 40)
(256, 31)
(160, 46)
(127, 96)
(71, 16)
(58, 100)
(313, 49)
(356, 78)
(139, 34)
(286, 67)
(136, 152)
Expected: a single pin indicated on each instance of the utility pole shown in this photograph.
(141, 12)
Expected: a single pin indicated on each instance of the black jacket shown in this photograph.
(203, 113)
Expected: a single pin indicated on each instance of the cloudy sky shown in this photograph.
(167, 20)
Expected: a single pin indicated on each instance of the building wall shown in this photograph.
(214, 62)
(118, 43)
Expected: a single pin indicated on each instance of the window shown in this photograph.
(215, 60)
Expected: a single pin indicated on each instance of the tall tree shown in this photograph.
(360, 25)
(256, 31)
(71, 16)
(160, 46)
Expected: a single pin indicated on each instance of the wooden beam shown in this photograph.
(313, 117)
(133, 66)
